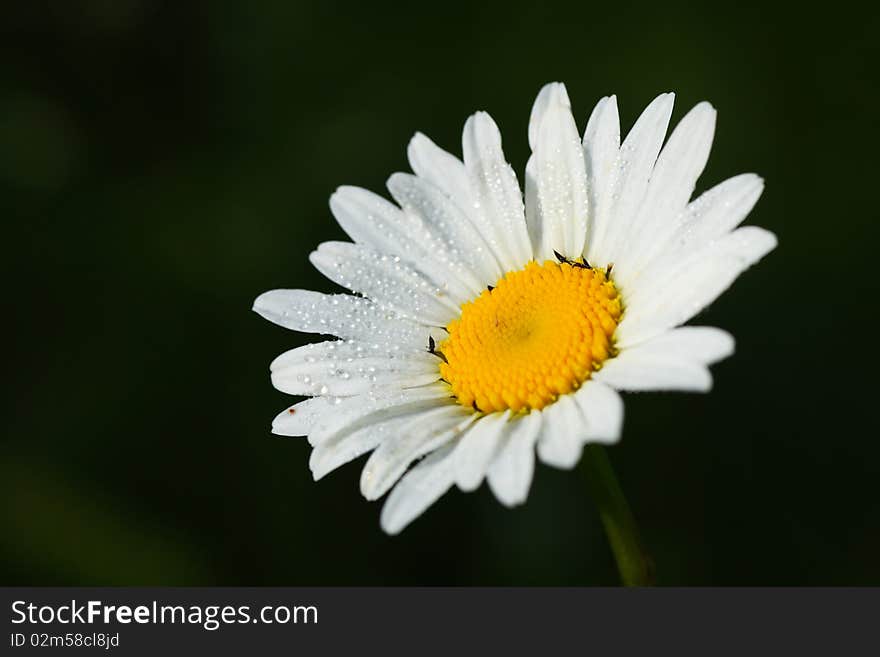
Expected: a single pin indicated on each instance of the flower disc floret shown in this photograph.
(539, 333)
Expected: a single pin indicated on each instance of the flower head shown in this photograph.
(490, 326)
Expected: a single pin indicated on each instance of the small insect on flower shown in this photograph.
(550, 303)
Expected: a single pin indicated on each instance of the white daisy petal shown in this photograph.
(510, 473)
(368, 218)
(553, 93)
(496, 192)
(476, 449)
(701, 344)
(372, 221)
(347, 446)
(441, 169)
(447, 230)
(391, 459)
(342, 315)
(645, 368)
(298, 420)
(419, 489)
(450, 175)
(671, 184)
(349, 368)
(542, 231)
(673, 296)
(385, 279)
(560, 204)
(635, 162)
(356, 412)
(715, 213)
(562, 433)
(601, 146)
(602, 409)
(533, 216)
(709, 217)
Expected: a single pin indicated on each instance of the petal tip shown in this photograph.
(261, 304)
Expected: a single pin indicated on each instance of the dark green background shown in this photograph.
(162, 163)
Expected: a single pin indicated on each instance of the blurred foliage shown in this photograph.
(162, 163)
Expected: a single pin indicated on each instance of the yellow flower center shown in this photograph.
(538, 334)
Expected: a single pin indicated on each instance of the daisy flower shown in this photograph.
(487, 327)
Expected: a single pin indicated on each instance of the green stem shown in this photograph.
(633, 562)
